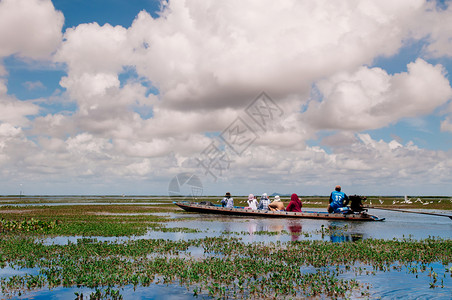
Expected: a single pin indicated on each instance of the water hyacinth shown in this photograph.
(227, 265)
(296, 269)
(26, 225)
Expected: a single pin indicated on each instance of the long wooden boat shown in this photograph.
(240, 211)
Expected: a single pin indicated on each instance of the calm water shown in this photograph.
(77, 203)
(397, 225)
(170, 292)
(387, 285)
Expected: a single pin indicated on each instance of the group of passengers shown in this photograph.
(337, 203)
(265, 204)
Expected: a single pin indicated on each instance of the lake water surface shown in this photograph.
(387, 285)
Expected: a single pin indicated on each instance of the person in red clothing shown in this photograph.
(294, 204)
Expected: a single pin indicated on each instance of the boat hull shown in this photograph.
(206, 209)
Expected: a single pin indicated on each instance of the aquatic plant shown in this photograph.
(26, 225)
(229, 267)
(235, 269)
(162, 228)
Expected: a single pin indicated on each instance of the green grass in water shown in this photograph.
(229, 268)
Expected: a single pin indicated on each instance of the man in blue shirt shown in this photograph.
(338, 201)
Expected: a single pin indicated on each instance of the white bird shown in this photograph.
(381, 201)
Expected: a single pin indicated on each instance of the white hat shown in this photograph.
(277, 198)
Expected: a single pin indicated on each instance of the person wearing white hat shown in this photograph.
(252, 202)
(276, 205)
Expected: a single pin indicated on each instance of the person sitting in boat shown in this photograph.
(252, 202)
(227, 201)
(263, 204)
(356, 204)
(294, 204)
(276, 205)
(338, 201)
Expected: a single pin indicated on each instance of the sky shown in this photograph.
(147, 97)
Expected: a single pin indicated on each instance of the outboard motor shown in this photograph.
(356, 204)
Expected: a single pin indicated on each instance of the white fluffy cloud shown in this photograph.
(370, 98)
(365, 166)
(218, 54)
(15, 112)
(209, 60)
(90, 48)
(29, 28)
(446, 125)
(434, 25)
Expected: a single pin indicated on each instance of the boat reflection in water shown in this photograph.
(278, 227)
(252, 227)
(260, 228)
(338, 234)
(354, 237)
(295, 229)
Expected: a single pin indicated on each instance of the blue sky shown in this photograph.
(114, 12)
(425, 130)
(119, 97)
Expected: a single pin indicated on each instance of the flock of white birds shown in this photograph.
(408, 201)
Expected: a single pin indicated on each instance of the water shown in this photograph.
(78, 203)
(386, 285)
(404, 285)
(170, 292)
(397, 225)
(383, 285)
(9, 271)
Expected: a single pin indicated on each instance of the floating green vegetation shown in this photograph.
(7, 226)
(258, 232)
(230, 268)
(162, 228)
(332, 230)
(98, 294)
(90, 220)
